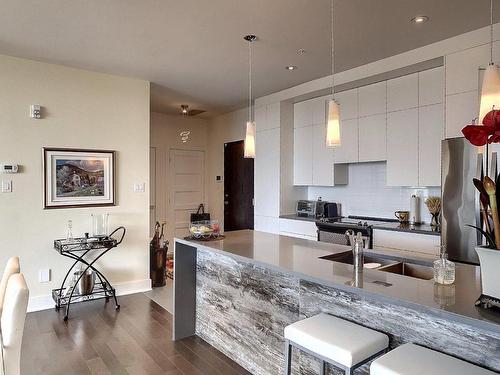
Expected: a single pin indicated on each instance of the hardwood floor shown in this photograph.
(99, 340)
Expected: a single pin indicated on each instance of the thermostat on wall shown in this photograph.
(9, 168)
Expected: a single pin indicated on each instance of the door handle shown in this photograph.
(226, 202)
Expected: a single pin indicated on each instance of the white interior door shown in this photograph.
(186, 188)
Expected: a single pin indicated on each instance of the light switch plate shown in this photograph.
(44, 275)
(140, 188)
(6, 186)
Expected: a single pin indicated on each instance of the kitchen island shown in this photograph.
(238, 294)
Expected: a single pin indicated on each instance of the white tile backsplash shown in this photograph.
(367, 193)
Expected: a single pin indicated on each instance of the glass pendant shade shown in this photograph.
(490, 92)
(249, 151)
(333, 125)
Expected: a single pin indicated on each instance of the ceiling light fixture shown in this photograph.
(291, 67)
(249, 149)
(333, 124)
(490, 90)
(420, 19)
(184, 109)
(301, 51)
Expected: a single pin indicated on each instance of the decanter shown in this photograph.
(444, 270)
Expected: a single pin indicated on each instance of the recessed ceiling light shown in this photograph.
(291, 67)
(420, 19)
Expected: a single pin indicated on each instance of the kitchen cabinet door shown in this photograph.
(431, 86)
(402, 93)
(261, 118)
(460, 110)
(402, 148)
(373, 138)
(348, 150)
(322, 160)
(462, 69)
(302, 155)
(372, 99)
(431, 132)
(303, 114)
(348, 104)
(319, 110)
(267, 173)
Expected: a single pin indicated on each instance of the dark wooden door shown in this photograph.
(238, 188)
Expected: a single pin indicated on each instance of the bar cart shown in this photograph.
(79, 250)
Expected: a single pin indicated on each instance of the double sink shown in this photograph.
(400, 266)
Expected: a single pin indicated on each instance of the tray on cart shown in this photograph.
(101, 290)
(84, 244)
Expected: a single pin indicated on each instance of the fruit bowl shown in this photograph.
(205, 229)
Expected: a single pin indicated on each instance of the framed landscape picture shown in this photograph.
(78, 178)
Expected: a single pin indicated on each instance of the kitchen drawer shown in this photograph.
(414, 242)
(299, 227)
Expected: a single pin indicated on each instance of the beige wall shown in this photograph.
(165, 136)
(82, 110)
(225, 128)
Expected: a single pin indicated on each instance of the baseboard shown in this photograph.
(39, 303)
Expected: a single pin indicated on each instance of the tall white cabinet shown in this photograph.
(415, 128)
(313, 162)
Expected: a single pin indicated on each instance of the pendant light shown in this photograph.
(249, 151)
(333, 124)
(490, 91)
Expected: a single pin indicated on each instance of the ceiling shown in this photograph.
(193, 52)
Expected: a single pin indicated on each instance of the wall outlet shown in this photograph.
(140, 188)
(44, 275)
(6, 186)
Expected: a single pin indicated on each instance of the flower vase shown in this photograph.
(489, 260)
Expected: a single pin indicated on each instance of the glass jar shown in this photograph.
(444, 270)
(100, 225)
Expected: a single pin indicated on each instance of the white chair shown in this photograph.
(11, 267)
(344, 344)
(411, 359)
(12, 324)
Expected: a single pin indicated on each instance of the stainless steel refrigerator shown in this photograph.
(461, 162)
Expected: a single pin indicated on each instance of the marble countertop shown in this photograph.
(303, 257)
(383, 225)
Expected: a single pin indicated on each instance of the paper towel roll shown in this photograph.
(414, 210)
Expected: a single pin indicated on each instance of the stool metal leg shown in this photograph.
(288, 357)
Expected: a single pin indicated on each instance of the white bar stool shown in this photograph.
(411, 359)
(333, 340)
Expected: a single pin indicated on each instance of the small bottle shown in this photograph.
(69, 231)
(444, 270)
(357, 252)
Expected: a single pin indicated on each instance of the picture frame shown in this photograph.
(78, 178)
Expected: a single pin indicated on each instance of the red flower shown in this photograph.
(489, 132)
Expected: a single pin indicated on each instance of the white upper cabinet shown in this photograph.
(431, 132)
(431, 86)
(302, 155)
(402, 93)
(372, 138)
(462, 69)
(348, 104)
(261, 118)
(303, 114)
(402, 148)
(372, 99)
(461, 109)
(273, 116)
(322, 159)
(319, 110)
(347, 152)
